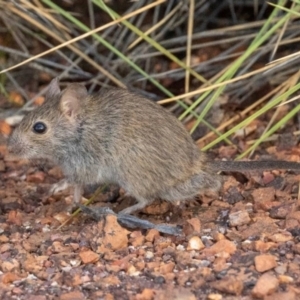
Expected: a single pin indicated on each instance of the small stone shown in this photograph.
(161, 279)
(214, 297)
(76, 295)
(9, 277)
(109, 297)
(137, 241)
(16, 98)
(89, 256)
(115, 236)
(146, 294)
(166, 268)
(293, 219)
(221, 246)
(117, 265)
(262, 195)
(180, 247)
(15, 217)
(162, 243)
(132, 271)
(3, 150)
(281, 237)
(290, 295)
(2, 166)
(281, 211)
(196, 224)
(268, 177)
(11, 203)
(152, 265)
(5, 247)
(281, 269)
(220, 264)
(229, 285)
(265, 262)
(151, 235)
(149, 255)
(135, 234)
(5, 239)
(37, 177)
(174, 293)
(195, 243)
(140, 265)
(157, 208)
(262, 246)
(285, 279)
(229, 151)
(34, 264)
(17, 291)
(9, 265)
(141, 251)
(45, 220)
(5, 129)
(265, 285)
(239, 218)
(59, 247)
(255, 228)
(217, 236)
(111, 280)
(296, 248)
(36, 297)
(61, 217)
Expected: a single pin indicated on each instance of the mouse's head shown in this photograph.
(46, 130)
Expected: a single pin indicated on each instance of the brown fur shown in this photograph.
(119, 137)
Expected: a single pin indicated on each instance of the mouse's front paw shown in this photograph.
(55, 189)
(59, 187)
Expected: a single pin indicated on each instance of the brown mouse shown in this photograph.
(119, 137)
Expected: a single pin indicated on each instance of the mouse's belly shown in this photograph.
(89, 174)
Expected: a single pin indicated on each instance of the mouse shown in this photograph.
(116, 136)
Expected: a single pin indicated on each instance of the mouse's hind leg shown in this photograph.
(193, 186)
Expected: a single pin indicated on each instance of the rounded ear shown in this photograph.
(53, 88)
(71, 100)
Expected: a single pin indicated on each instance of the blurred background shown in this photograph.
(224, 68)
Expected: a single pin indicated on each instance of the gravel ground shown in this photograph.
(240, 244)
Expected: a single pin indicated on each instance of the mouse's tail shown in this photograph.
(242, 166)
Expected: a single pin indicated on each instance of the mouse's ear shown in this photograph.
(71, 100)
(53, 88)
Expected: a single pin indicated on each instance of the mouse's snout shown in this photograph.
(14, 144)
(11, 143)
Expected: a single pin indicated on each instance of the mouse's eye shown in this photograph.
(39, 127)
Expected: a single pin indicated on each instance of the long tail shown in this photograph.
(243, 166)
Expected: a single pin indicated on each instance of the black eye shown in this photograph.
(39, 127)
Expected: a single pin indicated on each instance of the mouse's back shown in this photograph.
(144, 141)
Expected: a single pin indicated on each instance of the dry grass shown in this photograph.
(155, 48)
